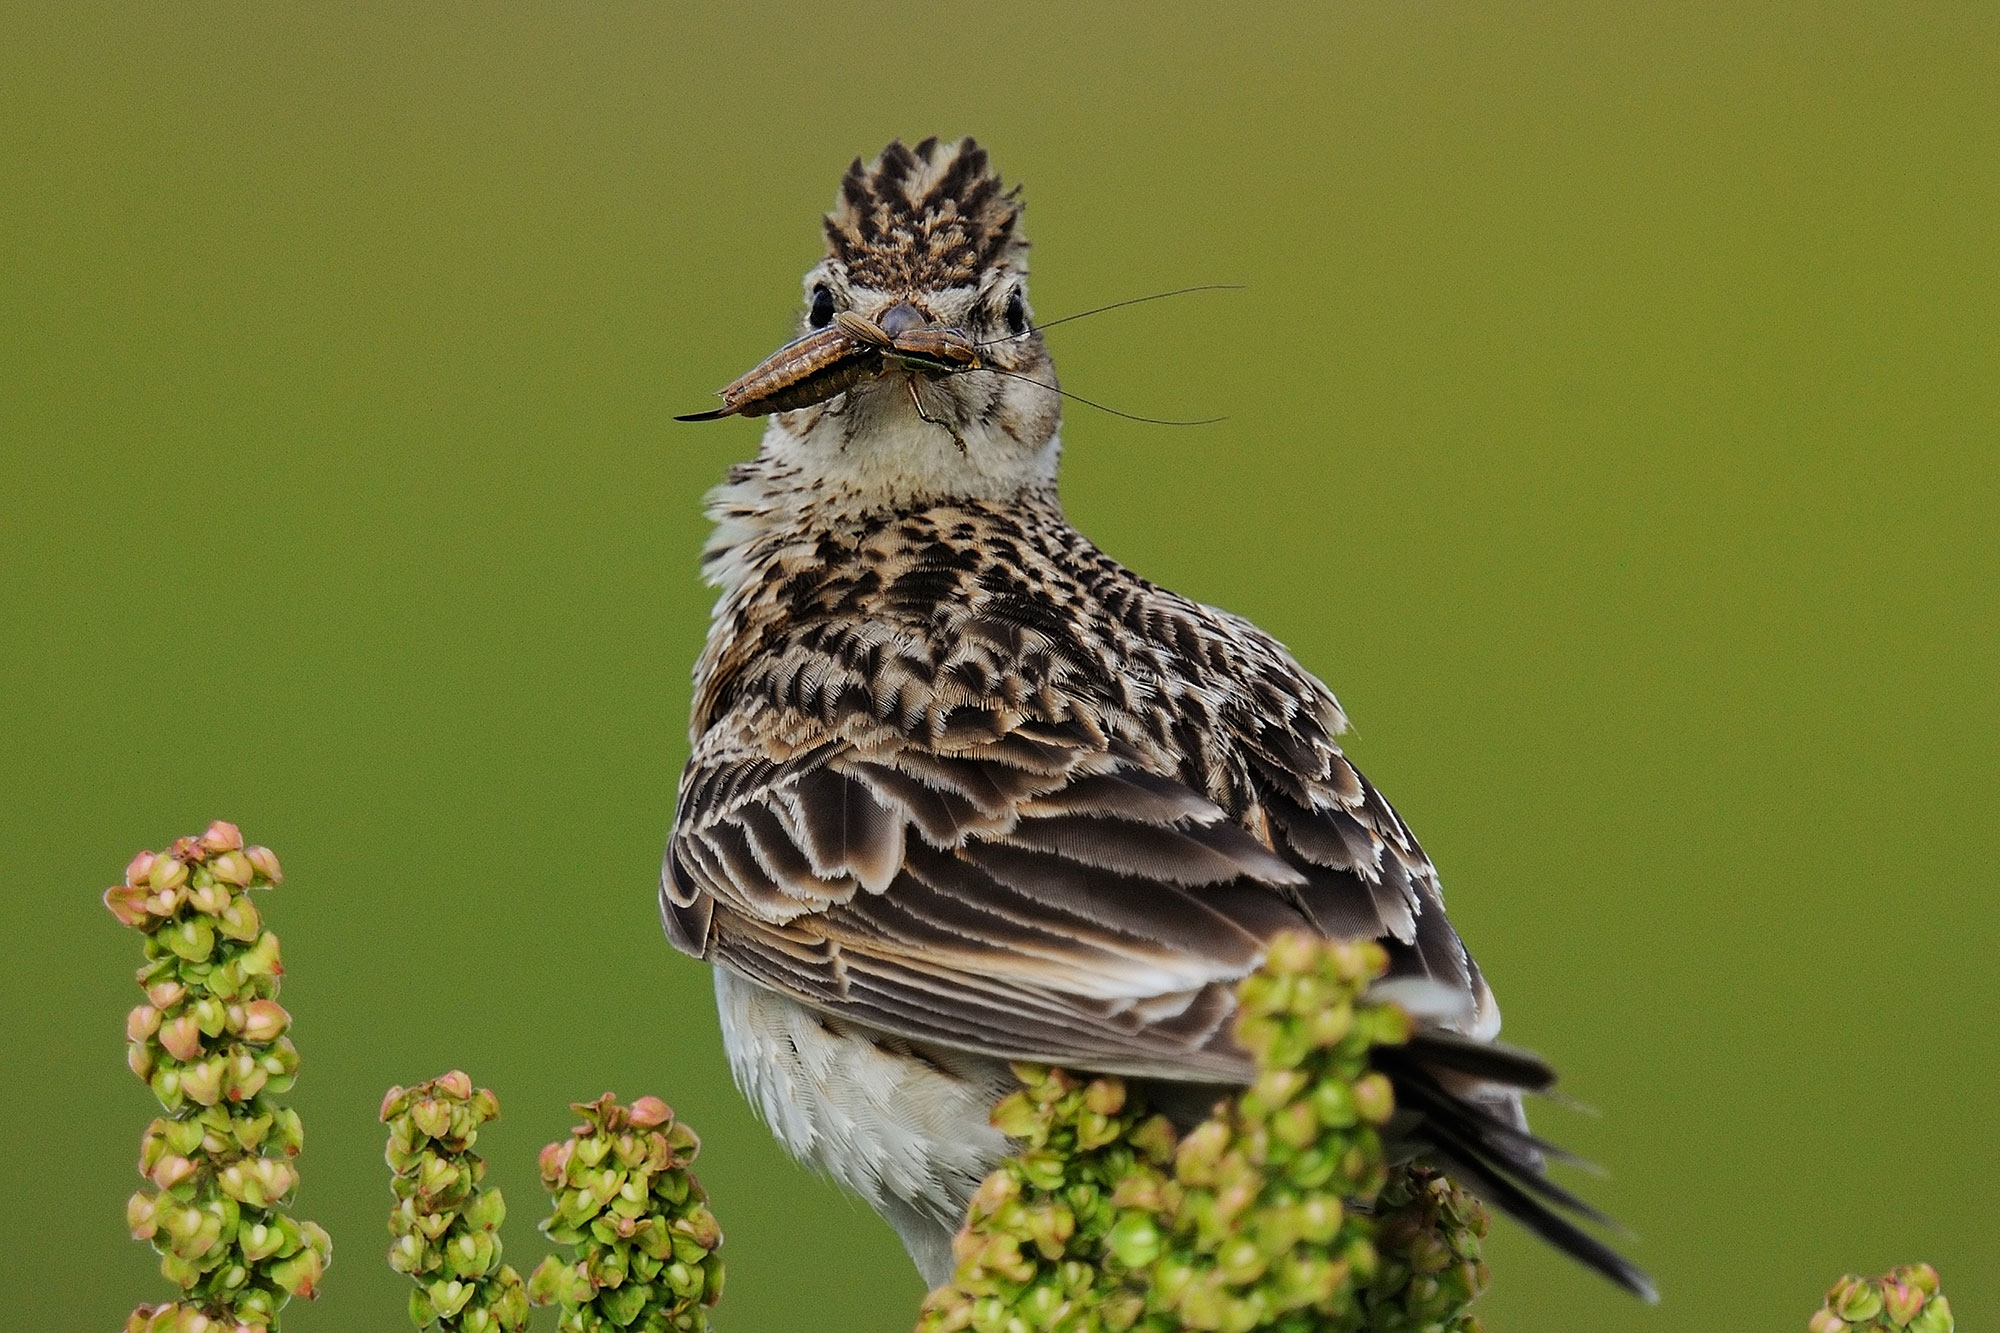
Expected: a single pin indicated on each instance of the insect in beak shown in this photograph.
(853, 349)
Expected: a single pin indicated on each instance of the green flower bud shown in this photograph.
(1374, 1098)
(165, 873)
(239, 920)
(300, 1274)
(206, 895)
(471, 1254)
(1935, 1317)
(486, 1211)
(166, 1085)
(261, 1240)
(192, 938)
(261, 959)
(1856, 1300)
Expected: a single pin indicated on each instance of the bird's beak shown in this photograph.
(851, 350)
(901, 318)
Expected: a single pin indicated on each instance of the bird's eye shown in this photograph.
(821, 313)
(1017, 313)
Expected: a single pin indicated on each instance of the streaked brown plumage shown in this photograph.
(965, 790)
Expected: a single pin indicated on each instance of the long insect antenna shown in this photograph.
(1115, 305)
(1129, 416)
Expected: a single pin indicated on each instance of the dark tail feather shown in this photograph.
(1498, 1160)
(715, 415)
(1418, 1090)
(1506, 1065)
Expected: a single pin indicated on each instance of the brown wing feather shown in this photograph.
(1035, 896)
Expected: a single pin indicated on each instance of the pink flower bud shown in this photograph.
(650, 1111)
(210, 897)
(432, 1115)
(202, 1083)
(264, 1021)
(139, 1059)
(142, 1023)
(455, 1084)
(1903, 1302)
(128, 904)
(182, 1039)
(275, 1176)
(171, 1170)
(222, 836)
(266, 862)
(1293, 952)
(140, 1215)
(138, 869)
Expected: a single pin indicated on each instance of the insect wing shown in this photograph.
(803, 372)
(935, 351)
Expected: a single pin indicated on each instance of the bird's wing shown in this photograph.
(1044, 893)
(1040, 891)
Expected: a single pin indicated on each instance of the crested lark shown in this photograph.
(965, 790)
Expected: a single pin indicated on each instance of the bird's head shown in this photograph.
(918, 374)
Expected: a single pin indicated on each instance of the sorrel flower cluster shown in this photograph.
(1263, 1217)
(446, 1223)
(643, 1242)
(210, 1041)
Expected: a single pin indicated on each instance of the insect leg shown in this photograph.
(918, 403)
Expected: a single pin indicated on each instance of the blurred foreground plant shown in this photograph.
(1279, 1212)
(210, 1041)
(645, 1244)
(1272, 1214)
(1905, 1300)
(446, 1223)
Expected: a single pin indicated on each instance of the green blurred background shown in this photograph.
(1612, 420)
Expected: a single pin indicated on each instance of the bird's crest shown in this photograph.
(924, 218)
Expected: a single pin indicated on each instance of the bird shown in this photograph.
(966, 791)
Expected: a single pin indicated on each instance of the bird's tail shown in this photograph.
(1463, 1098)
